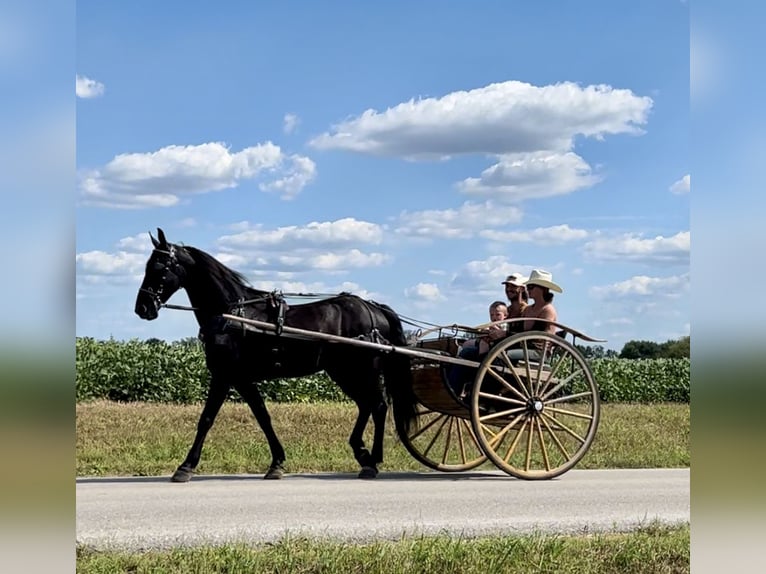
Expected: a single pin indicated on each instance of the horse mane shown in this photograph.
(222, 274)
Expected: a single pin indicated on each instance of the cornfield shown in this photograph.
(157, 371)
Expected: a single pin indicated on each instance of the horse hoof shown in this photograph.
(368, 472)
(181, 475)
(274, 473)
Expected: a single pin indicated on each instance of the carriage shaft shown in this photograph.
(265, 327)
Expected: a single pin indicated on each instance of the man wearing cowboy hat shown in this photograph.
(540, 287)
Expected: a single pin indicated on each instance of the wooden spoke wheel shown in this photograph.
(534, 405)
(443, 442)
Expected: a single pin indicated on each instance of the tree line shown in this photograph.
(670, 349)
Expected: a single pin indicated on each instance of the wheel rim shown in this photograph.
(535, 414)
(443, 442)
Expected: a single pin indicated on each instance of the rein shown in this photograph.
(247, 301)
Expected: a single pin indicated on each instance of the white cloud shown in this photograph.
(341, 232)
(461, 223)
(501, 118)
(428, 292)
(302, 172)
(139, 243)
(291, 122)
(641, 286)
(159, 179)
(531, 175)
(328, 246)
(102, 263)
(483, 277)
(555, 235)
(87, 88)
(344, 260)
(682, 186)
(634, 248)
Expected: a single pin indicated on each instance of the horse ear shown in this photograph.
(154, 241)
(161, 236)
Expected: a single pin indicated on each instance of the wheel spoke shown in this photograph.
(514, 443)
(543, 446)
(567, 412)
(540, 367)
(499, 414)
(502, 399)
(421, 430)
(507, 385)
(561, 426)
(552, 374)
(569, 398)
(561, 384)
(555, 438)
(460, 439)
(438, 432)
(446, 442)
(497, 438)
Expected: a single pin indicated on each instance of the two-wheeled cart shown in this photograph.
(531, 405)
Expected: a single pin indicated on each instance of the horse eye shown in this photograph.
(158, 266)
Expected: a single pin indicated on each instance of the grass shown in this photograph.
(147, 439)
(653, 549)
(136, 439)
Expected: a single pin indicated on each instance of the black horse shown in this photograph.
(240, 359)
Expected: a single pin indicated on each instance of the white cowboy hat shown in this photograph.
(544, 279)
(516, 279)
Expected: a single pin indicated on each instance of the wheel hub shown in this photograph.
(535, 406)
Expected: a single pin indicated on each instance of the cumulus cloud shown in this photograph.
(160, 178)
(483, 277)
(352, 258)
(346, 231)
(425, 292)
(555, 235)
(460, 223)
(531, 175)
(301, 172)
(94, 263)
(291, 122)
(502, 118)
(673, 250)
(87, 88)
(682, 186)
(642, 286)
(331, 246)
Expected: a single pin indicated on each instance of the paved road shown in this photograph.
(142, 513)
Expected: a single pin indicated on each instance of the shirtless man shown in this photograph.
(516, 294)
(540, 286)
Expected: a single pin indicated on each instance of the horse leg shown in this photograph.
(215, 398)
(356, 441)
(379, 420)
(252, 396)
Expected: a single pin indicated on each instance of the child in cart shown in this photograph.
(474, 349)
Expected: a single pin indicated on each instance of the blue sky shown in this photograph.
(414, 153)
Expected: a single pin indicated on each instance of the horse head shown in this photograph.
(165, 272)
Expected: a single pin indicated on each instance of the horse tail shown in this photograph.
(397, 373)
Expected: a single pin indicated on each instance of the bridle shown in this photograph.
(173, 262)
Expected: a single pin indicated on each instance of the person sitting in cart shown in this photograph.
(474, 349)
(540, 287)
(516, 293)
